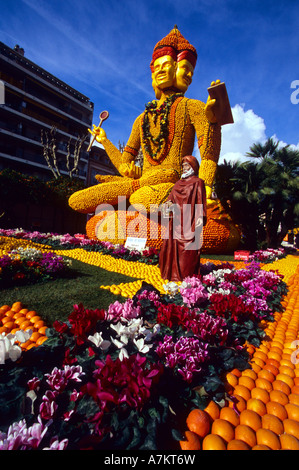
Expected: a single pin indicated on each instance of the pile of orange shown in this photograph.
(262, 407)
(15, 317)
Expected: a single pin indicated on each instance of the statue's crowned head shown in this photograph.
(173, 62)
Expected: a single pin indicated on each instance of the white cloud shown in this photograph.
(237, 138)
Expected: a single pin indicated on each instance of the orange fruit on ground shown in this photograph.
(213, 442)
(292, 411)
(255, 367)
(248, 382)
(24, 324)
(288, 363)
(242, 391)
(35, 319)
(273, 423)
(263, 383)
(39, 324)
(239, 403)
(34, 337)
(213, 410)
(237, 444)
(260, 447)
(245, 433)
(30, 314)
(9, 325)
(224, 429)
(268, 438)
(257, 405)
(17, 306)
(289, 442)
(287, 370)
(295, 389)
(249, 373)
(14, 330)
(261, 394)
(5, 308)
(198, 421)
(192, 441)
(24, 310)
(281, 386)
(43, 330)
(274, 370)
(258, 361)
(17, 315)
(230, 415)
(3, 329)
(236, 372)
(273, 362)
(276, 409)
(251, 418)
(294, 398)
(266, 374)
(20, 320)
(9, 313)
(41, 340)
(291, 427)
(261, 355)
(286, 378)
(26, 344)
(231, 379)
(279, 397)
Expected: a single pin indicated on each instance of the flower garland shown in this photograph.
(162, 113)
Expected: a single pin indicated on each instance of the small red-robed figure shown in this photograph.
(186, 205)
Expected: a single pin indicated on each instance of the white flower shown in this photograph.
(99, 342)
(171, 288)
(141, 346)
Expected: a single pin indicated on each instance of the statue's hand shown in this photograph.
(130, 170)
(98, 133)
(210, 104)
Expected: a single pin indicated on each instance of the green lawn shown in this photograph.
(54, 300)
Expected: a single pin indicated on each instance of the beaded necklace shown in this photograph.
(161, 113)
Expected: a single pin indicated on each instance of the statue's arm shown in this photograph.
(209, 142)
(124, 162)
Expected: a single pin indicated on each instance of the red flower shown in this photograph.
(83, 322)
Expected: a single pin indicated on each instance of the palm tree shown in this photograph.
(262, 195)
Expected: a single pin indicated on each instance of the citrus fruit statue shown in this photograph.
(165, 132)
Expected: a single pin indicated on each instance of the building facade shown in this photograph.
(41, 116)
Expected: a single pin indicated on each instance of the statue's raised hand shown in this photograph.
(210, 105)
(98, 132)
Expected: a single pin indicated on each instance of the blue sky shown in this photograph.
(103, 49)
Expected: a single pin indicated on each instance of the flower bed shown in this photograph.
(126, 378)
(29, 265)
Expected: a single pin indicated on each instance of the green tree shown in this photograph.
(262, 194)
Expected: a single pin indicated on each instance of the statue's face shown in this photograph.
(164, 72)
(184, 75)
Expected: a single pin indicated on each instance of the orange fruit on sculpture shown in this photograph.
(268, 438)
(261, 394)
(257, 405)
(198, 421)
(251, 418)
(213, 410)
(192, 441)
(237, 444)
(245, 433)
(279, 397)
(289, 442)
(292, 411)
(276, 409)
(213, 442)
(224, 429)
(291, 427)
(273, 423)
(230, 415)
